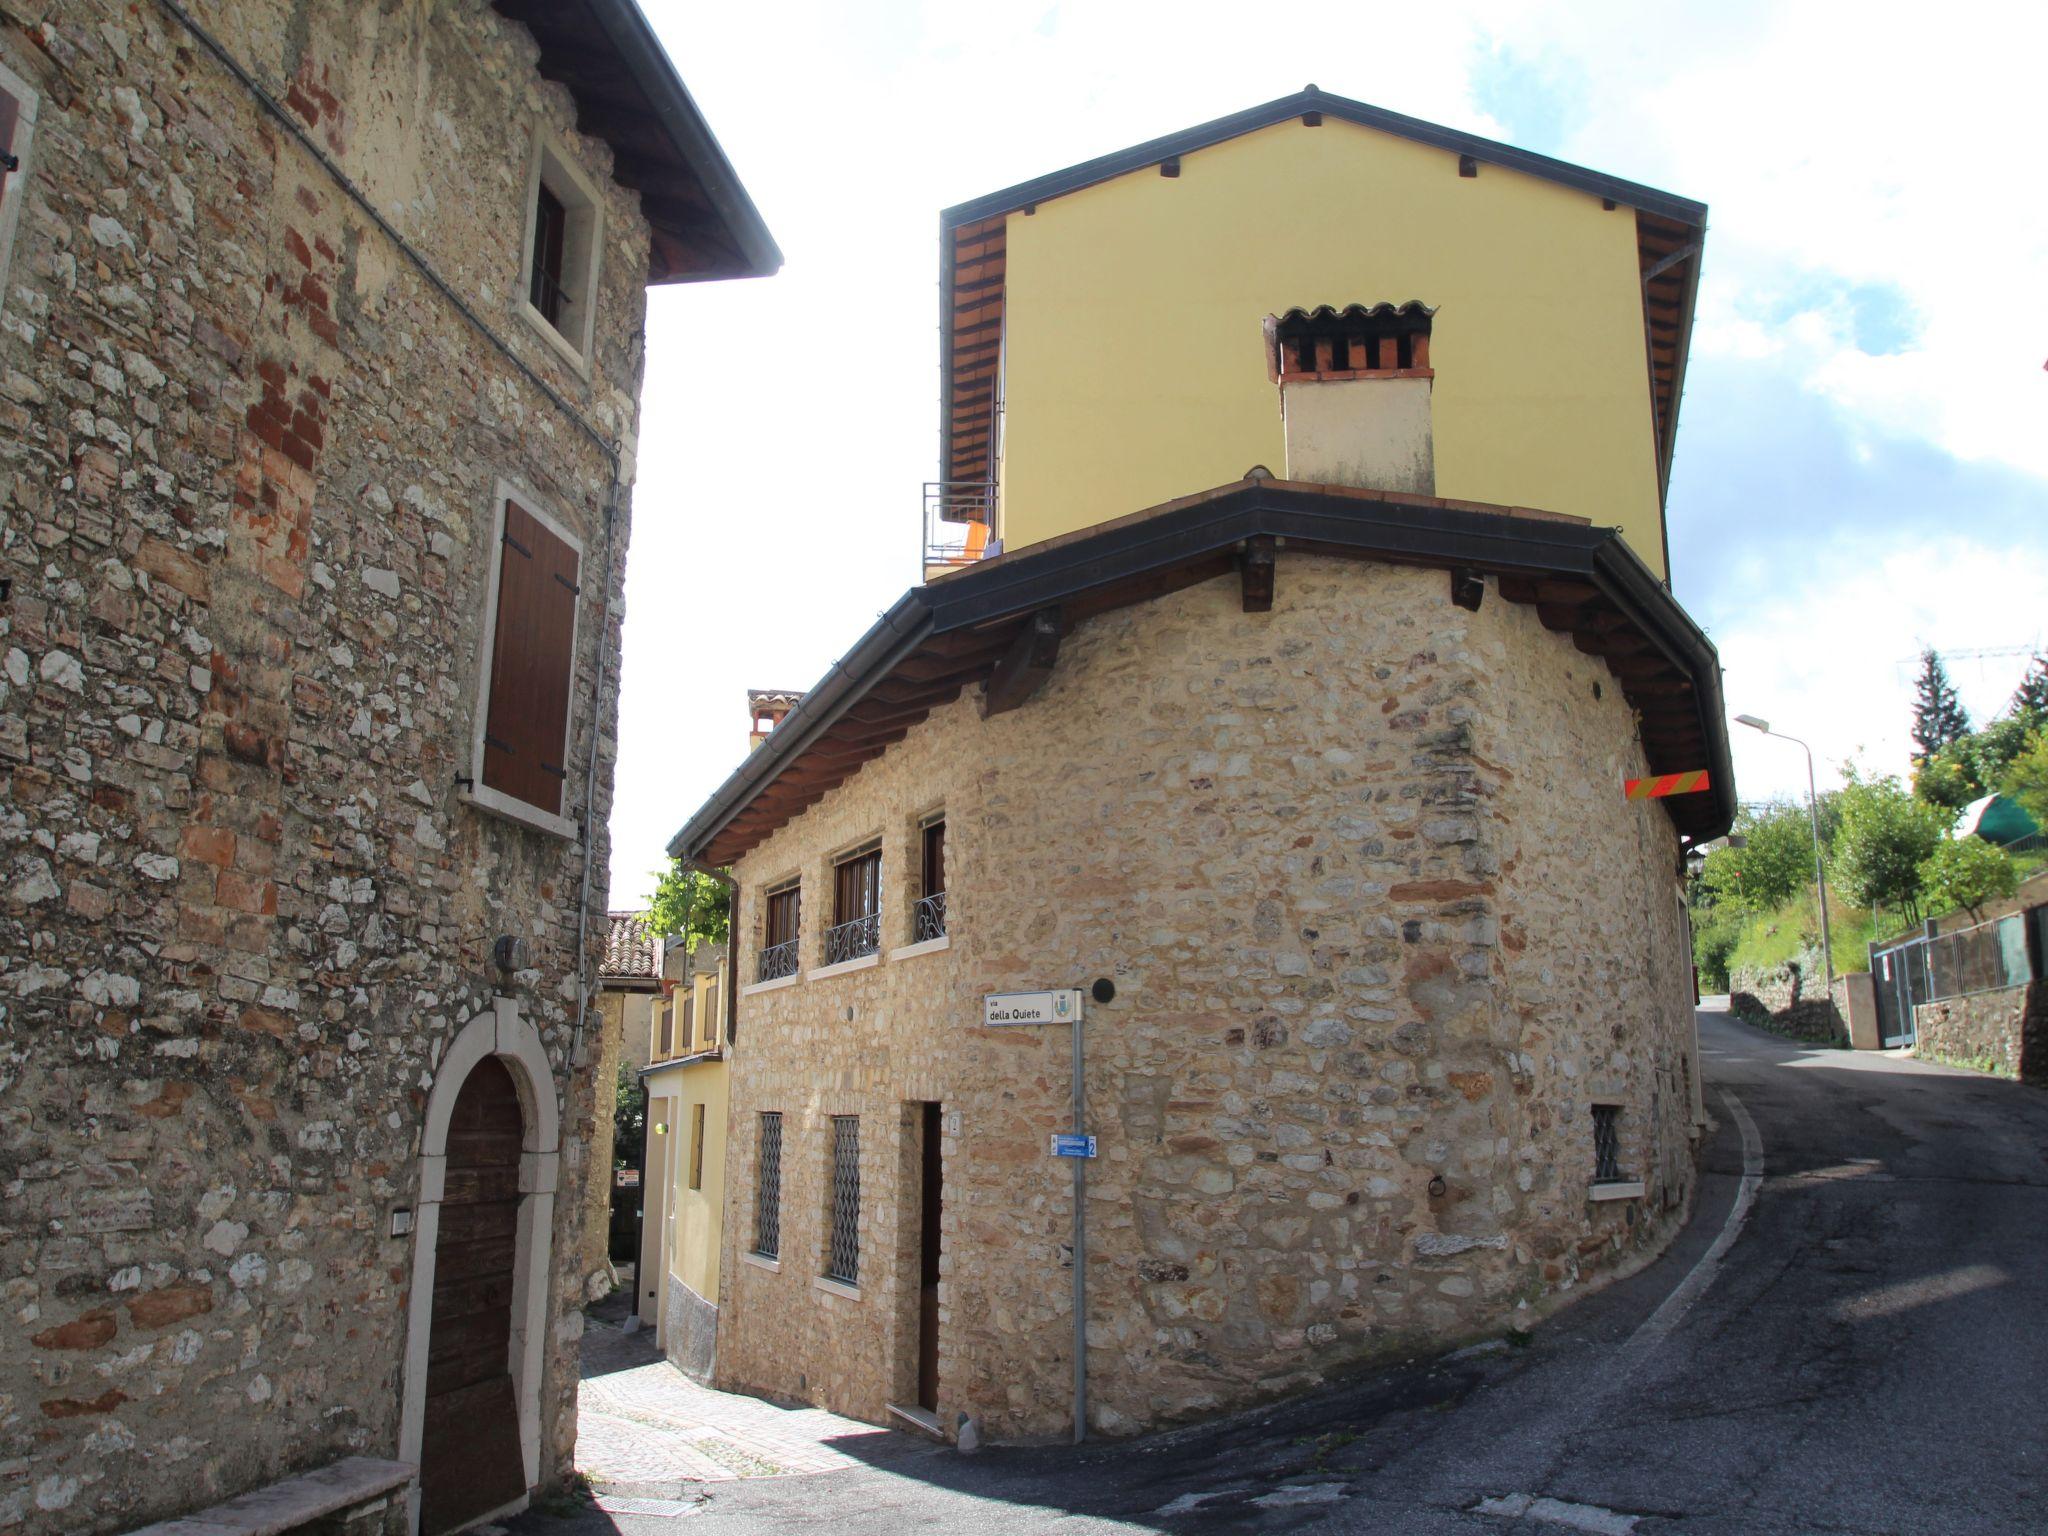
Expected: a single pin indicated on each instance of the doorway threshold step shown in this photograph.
(921, 1418)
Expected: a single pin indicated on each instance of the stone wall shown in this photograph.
(1381, 928)
(2004, 1031)
(247, 459)
(1792, 999)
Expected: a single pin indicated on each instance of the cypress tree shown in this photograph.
(2031, 697)
(1938, 715)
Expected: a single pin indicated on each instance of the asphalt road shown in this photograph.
(1864, 1350)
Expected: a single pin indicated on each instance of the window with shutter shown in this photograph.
(17, 129)
(522, 747)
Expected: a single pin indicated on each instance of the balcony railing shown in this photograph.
(930, 918)
(850, 941)
(778, 961)
(959, 522)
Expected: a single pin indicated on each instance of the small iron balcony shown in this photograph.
(959, 522)
(778, 961)
(930, 918)
(850, 941)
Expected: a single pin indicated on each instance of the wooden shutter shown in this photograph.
(526, 727)
(934, 858)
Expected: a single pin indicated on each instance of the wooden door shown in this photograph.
(470, 1462)
(928, 1266)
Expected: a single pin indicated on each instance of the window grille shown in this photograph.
(1607, 1144)
(842, 1259)
(550, 243)
(768, 1188)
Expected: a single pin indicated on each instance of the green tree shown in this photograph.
(629, 1118)
(691, 905)
(1966, 872)
(1885, 836)
(2030, 699)
(1938, 715)
(1775, 861)
(1971, 766)
(2026, 776)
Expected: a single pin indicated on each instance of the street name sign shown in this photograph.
(1065, 1144)
(1062, 1006)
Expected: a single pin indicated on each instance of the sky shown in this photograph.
(1862, 461)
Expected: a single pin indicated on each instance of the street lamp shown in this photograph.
(1820, 874)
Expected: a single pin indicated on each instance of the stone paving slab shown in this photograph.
(640, 1421)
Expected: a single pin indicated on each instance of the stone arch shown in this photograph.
(502, 1032)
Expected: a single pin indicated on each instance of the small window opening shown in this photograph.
(550, 237)
(563, 238)
(1607, 1144)
(696, 1146)
(768, 1188)
(842, 1254)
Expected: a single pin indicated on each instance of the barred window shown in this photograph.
(842, 1259)
(768, 1188)
(1607, 1144)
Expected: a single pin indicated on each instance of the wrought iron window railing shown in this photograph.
(778, 961)
(842, 1255)
(768, 1189)
(930, 918)
(1607, 1144)
(851, 940)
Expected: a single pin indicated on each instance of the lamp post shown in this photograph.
(1820, 874)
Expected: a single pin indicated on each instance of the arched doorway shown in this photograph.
(470, 1460)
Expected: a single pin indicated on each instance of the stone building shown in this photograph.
(321, 332)
(1305, 793)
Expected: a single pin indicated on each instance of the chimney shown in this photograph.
(1354, 395)
(767, 706)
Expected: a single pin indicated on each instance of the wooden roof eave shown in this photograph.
(938, 638)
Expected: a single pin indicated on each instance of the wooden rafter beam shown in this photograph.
(1255, 574)
(1025, 665)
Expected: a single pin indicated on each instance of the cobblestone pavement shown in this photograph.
(641, 1422)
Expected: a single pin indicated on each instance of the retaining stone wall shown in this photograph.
(2006, 1028)
(1381, 928)
(1792, 999)
(247, 464)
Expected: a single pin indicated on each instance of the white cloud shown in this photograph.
(790, 422)
(1833, 659)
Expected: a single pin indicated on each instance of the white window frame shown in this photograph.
(478, 793)
(17, 182)
(551, 162)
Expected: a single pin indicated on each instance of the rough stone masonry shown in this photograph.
(1382, 931)
(247, 459)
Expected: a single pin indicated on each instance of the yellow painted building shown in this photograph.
(685, 1173)
(1103, 327)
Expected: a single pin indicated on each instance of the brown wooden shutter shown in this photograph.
(526, 726)
(10, 119)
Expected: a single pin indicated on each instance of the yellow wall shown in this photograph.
(695, 1229)
(1135, 366)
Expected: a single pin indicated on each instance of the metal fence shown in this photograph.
(2004, 952)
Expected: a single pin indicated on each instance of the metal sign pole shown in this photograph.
(1080, 1254)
